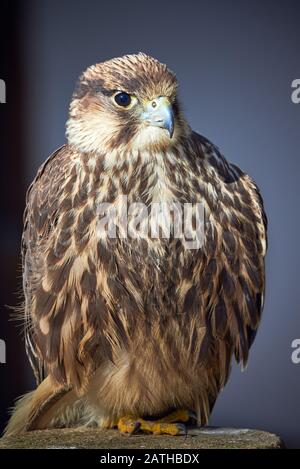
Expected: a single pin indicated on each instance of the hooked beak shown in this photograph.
(159, 113)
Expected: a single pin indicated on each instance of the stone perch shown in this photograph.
(91, 438)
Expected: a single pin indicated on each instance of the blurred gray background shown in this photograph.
(235, 61)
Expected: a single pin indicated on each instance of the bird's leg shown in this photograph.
(169, 425)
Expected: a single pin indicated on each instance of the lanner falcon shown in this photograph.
(136, 331)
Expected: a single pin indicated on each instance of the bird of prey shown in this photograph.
(136, 332)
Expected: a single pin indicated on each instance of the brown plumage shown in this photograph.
(135, 326)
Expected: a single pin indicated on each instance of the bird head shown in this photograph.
(127, 103)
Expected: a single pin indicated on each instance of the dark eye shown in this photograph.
(123, 99)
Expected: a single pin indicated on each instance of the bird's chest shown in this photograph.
(139, 202)
(138, 218)
(133, 238)
(138, 213)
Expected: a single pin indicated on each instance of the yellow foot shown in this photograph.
(168, 425)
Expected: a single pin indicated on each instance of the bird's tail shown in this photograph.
(48, 406)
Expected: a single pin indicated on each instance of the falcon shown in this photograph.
(136, 332)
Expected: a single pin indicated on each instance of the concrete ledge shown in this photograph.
(197, 438)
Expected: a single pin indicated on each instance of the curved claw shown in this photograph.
(182, 429)
(136, 428)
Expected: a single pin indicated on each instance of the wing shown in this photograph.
(40, 218)
(233, 273)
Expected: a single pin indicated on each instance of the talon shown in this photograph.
(137, 426)
(182, 429)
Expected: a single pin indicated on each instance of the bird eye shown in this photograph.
(123, 99)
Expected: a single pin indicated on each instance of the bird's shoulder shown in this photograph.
(232, 196)
(43, 195)
(51, 171)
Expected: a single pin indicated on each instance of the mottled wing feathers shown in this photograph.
(39, 220)
(232, 275)
(63, 303)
